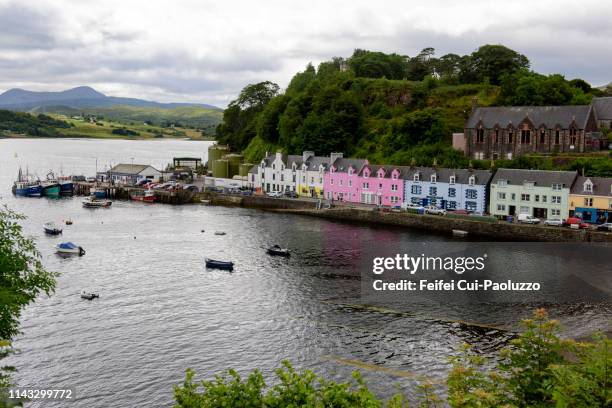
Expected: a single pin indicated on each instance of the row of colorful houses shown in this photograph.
(506, 192)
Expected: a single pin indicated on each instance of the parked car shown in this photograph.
(434, 210)
(575, 221)
(247, 192)
(291, 194)
(411, 206)
(275, 194)
(143, 182)
(527, 219)
(605, 227)
(90, 179)
(554, 222)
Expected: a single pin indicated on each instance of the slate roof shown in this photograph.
(342, 164)
(541, 178)
(129, 168)
(254, 169)
(462, 176)
(603, 107)
(549, 116)
(314, 162)
(602, 186)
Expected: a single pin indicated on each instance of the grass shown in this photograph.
(103, 129)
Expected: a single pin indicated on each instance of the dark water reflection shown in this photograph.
(160, 311)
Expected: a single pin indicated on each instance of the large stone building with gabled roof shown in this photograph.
(506, 132)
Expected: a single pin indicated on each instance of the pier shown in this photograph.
(120, 192)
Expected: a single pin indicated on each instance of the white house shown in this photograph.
(131, 173)
(451, 189)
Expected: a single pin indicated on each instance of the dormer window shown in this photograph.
(350, 171)
(394, 175)
(366, 173)
(381, 174)
(588, 186)
(502, 183)
(416, 177)
(472, 180)
(452, 179)
(434, 178)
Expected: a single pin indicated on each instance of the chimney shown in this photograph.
(306, 155)
(334, 156)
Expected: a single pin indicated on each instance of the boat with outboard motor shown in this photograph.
(215, 264)
(93, 202)
(277, 250)
(68, 248)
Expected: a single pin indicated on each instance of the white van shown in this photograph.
(527, 219)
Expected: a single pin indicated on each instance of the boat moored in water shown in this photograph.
(212, 263)
(147, 196)
(68, 248)
(89, 295)
(52, 229)
(276, 250)
(50, 188)
(27, 189)
(93, 202)
(97, 192)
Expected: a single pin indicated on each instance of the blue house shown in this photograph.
(451, 189)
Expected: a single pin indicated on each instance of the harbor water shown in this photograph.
(161, 311)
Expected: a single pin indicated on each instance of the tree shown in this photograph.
(255, 96)
(22, 278)
(493, 62)
(369, 64)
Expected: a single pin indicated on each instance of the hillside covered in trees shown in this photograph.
(389, 108)
(24, 123)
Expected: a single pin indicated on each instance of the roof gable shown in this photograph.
(550, 116)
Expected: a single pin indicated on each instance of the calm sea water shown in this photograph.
(160, 311)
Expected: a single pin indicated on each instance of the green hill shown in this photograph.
(19, 123)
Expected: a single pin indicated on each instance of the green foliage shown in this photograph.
(368, 64)
(538, 369)
(125, 132)
(492, 63)
(33, 125)
(22, 278)
(530, 88)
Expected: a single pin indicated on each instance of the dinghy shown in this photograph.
(92, 202)
(52, 229)
(276, 250)
(89, 295)
(212, 263)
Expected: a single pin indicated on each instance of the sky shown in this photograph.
(206, 51)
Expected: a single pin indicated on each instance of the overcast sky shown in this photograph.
(206, 51)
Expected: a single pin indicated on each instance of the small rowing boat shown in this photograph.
(52, 229)
(89, 295)
(69, 248)
(212, 263)
(276, 250)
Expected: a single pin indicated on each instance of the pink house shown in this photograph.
(341, 181)
(381, 185)
(356, 181)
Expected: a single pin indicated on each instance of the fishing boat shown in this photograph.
(52, 229)
(212, 263)
(66, 186)
(276, 250)
(93, 202)
(148, 196)
(68, 248)
(50, 188)
(89, 295)
(26, 186)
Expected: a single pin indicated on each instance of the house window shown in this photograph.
(588, 187)
(433, 191)
(303, 179)
(471, 205)
(294, 178)
(510, 137)
(452, 180)
(557, 136)
(496, 136)
(555, 212)
(513, 196)
(555, 199)
(573, 133)
(433, 178)
(452, 192)
(340, 182)
(380, 186)
(588, 202)
(273, 176)
(501, 196)
(502, 183)
(524, 210)
(480, 135)
(415, 190)
(273, 166)
(331, 181)
(557, 186)
(394, 176)
(542, 136)
(350, 183)
(471, 194)
(525, 136)
(537, 198)
(501, 207)
(525, 197)
(416, 177)
(350, 172)
(472, 180)
(393, 187)
(366, 186)
(282, 177)
(394, 199)
(610, 204)
(544, 198)
(451, 205)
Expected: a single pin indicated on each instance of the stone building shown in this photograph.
(603, 112)
(506, 132)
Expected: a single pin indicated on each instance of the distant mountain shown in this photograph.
(80, 97)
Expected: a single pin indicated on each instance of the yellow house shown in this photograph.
(591, 199)
(310, 175)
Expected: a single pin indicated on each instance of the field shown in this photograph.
(103, 129)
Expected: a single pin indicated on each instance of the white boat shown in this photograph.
(93, 202)
(70, 249)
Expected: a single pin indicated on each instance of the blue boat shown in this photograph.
(27, 189)
(66, 187)
(97, 192)
(211, 263)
